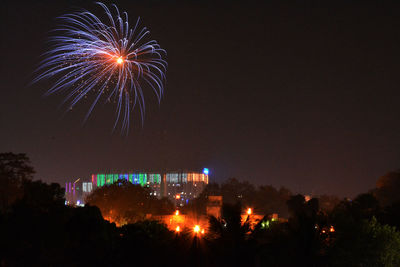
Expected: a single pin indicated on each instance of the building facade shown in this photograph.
(178, 186)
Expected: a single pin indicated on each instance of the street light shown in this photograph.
(249, 211)
(196, 229)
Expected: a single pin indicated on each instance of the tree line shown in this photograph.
(37, 229)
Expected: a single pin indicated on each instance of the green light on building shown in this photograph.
(109, 179)
(134, 178)
(142, 179)
(100, 180)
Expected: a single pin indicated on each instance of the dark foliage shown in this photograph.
(124, 202)
(37, 229)
(14, 170)
(229, 244)
(264, 199)
(387, 189)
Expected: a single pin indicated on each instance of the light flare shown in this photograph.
(120, 60)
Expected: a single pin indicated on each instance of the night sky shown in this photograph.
(302, 95)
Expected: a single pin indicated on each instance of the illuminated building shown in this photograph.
(178, 186)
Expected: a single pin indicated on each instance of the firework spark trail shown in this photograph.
(108, 59)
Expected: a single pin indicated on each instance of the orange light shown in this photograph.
(323, 231)
(178, 229)
(196, 229)
(202, 231)
(178, 196)
(177, 212)
(331, 229)
(249, 211)
(120, 60)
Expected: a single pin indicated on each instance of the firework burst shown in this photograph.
(107, 60)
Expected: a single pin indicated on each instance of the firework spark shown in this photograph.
(109, 60)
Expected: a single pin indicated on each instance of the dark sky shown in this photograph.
(302, 95)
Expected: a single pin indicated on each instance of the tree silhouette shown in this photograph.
(37, 229)
(367, 243)
(263, 200)
(304, 237)
(124, 202)
(229, 236)
(388, 188)
(14, 169)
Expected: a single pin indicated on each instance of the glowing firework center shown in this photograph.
(179, 187)
(120, 60)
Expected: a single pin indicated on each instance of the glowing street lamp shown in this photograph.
(249, 211)
(196, 229)
(178, 229)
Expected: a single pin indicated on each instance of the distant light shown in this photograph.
(202, 231)
(178, 229)
(78, 203)
(206, 171)
(120, 60)
(332, 229)
(249, 211)
(178, 196)
(177, 212)
(265, 224)
(196, 229)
